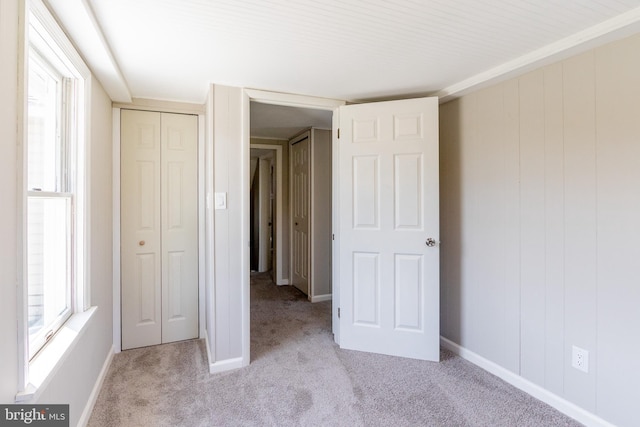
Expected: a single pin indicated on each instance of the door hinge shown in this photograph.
(338, 312)
(338, 133)
(333, 237)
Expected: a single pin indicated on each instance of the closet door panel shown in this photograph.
(140, 229)
(179, 194)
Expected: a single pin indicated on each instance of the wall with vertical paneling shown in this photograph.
(540, 196)
(225, 321)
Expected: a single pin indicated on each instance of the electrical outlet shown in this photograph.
(580, 359)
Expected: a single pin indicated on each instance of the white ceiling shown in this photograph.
(343, 49)
(274, 121)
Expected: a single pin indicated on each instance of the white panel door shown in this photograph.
(140, 229)
(389, 228)
(179, 194)
(300, 202)
(159, 236)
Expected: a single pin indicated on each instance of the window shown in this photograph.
(53, 187)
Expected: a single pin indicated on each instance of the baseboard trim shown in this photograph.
(221, 365)
(283, 282)
(93, 397)
(570, 409)
(226, 365)
(320, 298)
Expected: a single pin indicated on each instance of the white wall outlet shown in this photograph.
(580, 359)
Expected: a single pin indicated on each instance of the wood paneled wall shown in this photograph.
(540, 217)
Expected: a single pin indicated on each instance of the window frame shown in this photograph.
(40, 29)
(65, 105)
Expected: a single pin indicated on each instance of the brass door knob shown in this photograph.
(141, 242)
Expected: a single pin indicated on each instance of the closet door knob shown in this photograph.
(141, 242)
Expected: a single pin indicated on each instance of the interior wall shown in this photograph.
(8, 186)
(539, 224)
(285, 198)
(322, 214)
(225, 321)
(73, 382)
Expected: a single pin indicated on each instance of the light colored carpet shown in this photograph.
(299, 377)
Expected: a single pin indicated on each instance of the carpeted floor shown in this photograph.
(299, 377)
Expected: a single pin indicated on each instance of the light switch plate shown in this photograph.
(221, 201)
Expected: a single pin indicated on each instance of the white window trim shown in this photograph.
(33, 376)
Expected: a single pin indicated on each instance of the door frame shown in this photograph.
(279, 240)
(162, 107)
(299, 101)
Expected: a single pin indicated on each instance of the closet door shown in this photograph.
(159, 235)
(179, 195)
(141, 265)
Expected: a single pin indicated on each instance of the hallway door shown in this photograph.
(300, 202)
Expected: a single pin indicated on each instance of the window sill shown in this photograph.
(46, 363)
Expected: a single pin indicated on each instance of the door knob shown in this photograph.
(430, 242)
(141, 242)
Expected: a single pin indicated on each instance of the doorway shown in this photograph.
(276, 130)
(253, 100)
(385, 186)
(262, 189)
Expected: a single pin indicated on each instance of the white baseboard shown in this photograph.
(320, 298)
(283, 282)
(570, 409)
(93, 397)
(221, 365)
(226, 365)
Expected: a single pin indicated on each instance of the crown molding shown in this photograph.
(610, 30)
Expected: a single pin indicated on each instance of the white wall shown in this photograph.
(321, 220)
(8, 217)
(225, 293)
(77, 375)
(540, 223)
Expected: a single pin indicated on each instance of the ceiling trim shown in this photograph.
(615, 28)
(162, 106)
(292, 100)
(268, 138)
(78, 20)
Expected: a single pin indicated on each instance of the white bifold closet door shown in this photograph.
(159, 234)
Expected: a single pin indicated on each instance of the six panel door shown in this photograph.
(388, 200)
(300, 203)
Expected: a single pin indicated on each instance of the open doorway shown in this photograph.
(262, 125)
(275, 241)
(262, 211)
